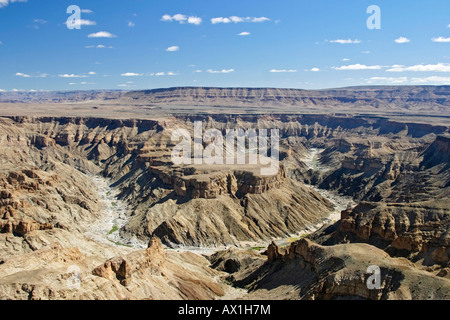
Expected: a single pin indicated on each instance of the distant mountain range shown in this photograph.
(392, 98)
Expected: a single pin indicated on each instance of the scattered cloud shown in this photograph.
(282, 71)
(313, 70)
(86, 11)
(346, 59)
(387, 80)
(245, 33)
(4, 3)
(92, 73)
(83, 22)
(195, 20)
(40, 21)
(131, 74)
(131, 24)
(72, 76)
(345, 41)
(358, 67)
(100, 46)
(182, 19)
(38, 75)
(441, 39)
(173, 49)
(402, 40)
(220, 71)
(262, 19)
(101, 34)
(439, 67)
(432, 80)
(220, 20)
(160, 74)
(237, 19)
(23, 75)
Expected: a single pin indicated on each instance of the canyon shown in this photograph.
(92, 205)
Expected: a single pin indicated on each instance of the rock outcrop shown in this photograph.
(309, 271)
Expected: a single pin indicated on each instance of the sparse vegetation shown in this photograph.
(257, 248)
(114, 229)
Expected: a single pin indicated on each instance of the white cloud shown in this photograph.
(182, 19)
(160, 74)
(220, 20)
(432, 80)
(23, 75)
(358, 67)
(131, 74)
(237, 19)
(84, 22)
(123, 85)
(282, 71)
(179, 17)
(313, 70)
(101, 34)
(167, 18)
(220, 71)
(39, 75)
(72, 76)
(92, 73)
(441, 39)
(245, 33)
(86, 11)
(261, 19)
(387, 80)
(402, 40)
(346, 59)
(345, 41)
(195, 20)
(4, 3)
(439, 67)
(173, 49)
(131, 24)
(100, 46)
(198, 71)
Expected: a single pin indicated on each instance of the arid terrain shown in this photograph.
(92, 205)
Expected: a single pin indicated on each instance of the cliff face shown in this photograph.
(308, 271)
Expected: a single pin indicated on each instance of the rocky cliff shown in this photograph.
(308, 271)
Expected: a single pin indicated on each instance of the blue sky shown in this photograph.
(145, 44)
